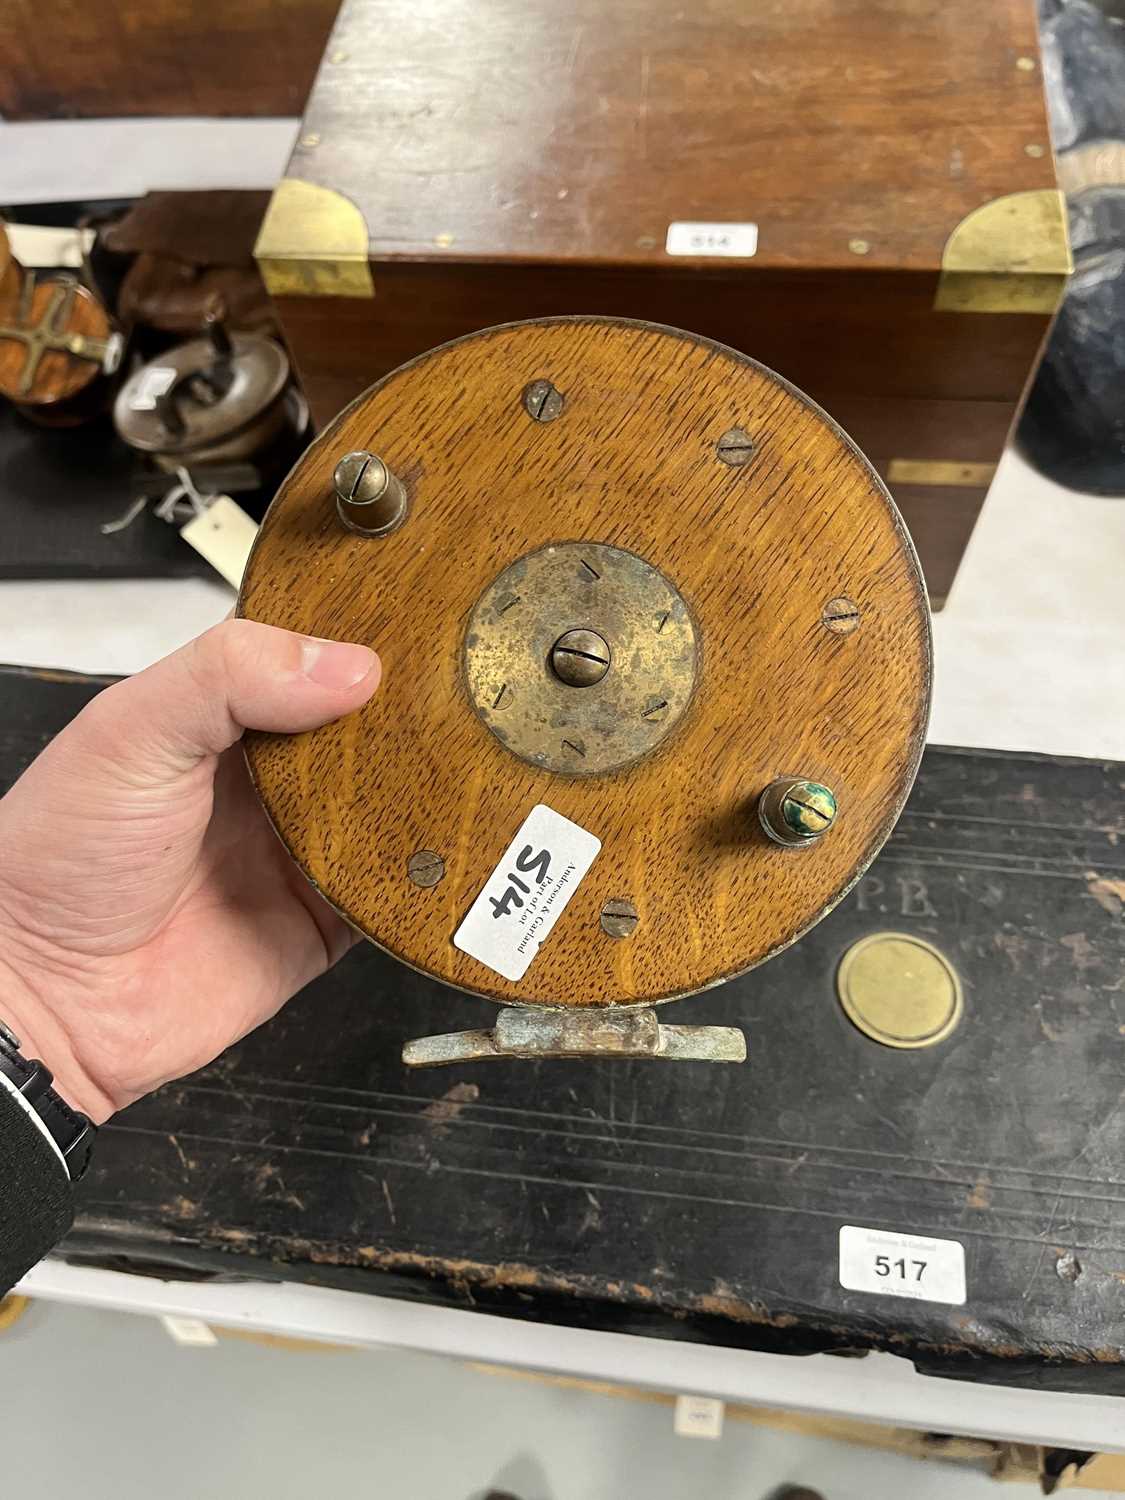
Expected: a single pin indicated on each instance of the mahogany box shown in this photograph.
(860, 195)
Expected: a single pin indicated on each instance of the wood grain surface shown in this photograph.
(581, 137)
(162, 57)
(850, 333)
(59, 375)
(756, 552)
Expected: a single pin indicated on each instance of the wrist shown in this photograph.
(44, 1037)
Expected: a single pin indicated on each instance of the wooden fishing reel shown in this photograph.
(212, 400)
(58, 345)
(657, 676)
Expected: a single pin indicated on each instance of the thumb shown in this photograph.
(239, 675)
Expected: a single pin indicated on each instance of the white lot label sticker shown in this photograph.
(902, 1265)
(157, 380)
(737, 240)
(527, 892)
(698, 1417)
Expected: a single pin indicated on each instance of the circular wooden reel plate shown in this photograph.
(36, 370)
(756, 551)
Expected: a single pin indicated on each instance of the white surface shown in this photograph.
(58, 161)
(1029, 652)
(880, 1388)
(102, 1406)
(102, 626)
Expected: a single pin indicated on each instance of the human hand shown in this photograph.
(149, 916)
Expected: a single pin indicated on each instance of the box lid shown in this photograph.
(848, 133)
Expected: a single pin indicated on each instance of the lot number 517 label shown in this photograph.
(902, 1265)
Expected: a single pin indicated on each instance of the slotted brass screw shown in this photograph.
(735, 447)
(840, 615)
(542, 401)
(619, 919)
(425, 868)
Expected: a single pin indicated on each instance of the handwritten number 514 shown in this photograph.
(529, 863)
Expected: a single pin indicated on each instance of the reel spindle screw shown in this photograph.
(369, 498)
(580, 658)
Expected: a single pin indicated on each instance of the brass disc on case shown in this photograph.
(629, 477)
(899, 990)
(539, 601)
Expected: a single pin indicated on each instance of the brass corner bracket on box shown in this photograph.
(313, 243)
(1008, 256)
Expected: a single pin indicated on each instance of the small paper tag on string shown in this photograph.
(223, 534)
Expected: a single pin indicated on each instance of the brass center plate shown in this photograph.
(580, 730)
(899, 990)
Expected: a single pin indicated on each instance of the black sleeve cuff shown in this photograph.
(36, 1196)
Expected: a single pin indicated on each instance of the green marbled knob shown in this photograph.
(795, 812)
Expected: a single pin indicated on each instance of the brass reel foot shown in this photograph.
(531, 1031)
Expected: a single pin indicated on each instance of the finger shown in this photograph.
(239, 675)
